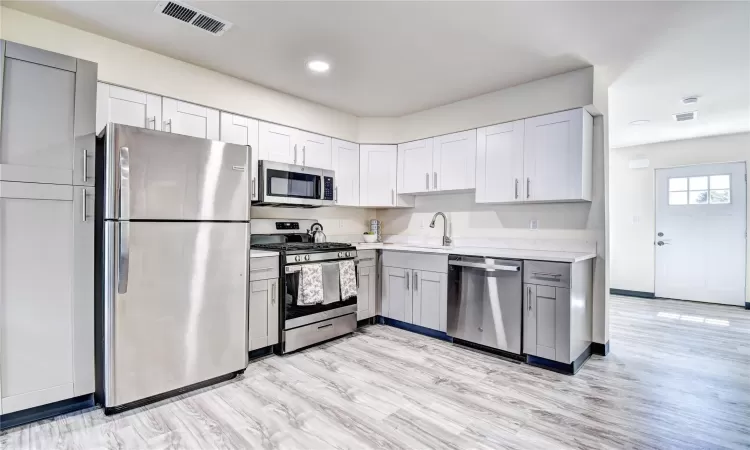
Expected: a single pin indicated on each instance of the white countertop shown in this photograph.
(511, 253)
(262, 253)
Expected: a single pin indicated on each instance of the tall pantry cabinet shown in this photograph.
(47, 146)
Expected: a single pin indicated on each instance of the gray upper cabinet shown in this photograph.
(47, 118)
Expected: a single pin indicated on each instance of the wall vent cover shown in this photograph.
(193, 16)
(682, 117)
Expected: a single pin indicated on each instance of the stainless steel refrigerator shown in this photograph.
(175, 229)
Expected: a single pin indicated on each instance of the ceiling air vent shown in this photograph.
(682, 117)
(193, 16)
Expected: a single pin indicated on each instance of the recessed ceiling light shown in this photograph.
(318, 66)
(640, 122)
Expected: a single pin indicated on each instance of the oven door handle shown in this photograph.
(292, 269)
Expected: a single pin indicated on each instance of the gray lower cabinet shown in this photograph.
(46, 294)
(414, 295)
(557, 304)
(429, 299)
(263, 317)
(397, 294)
(367, 291)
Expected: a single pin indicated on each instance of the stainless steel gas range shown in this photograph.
(304, 325)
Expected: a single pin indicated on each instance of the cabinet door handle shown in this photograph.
(168, 122)
(393, 197)
(434, 180)
(150, 120)
(84, 214)
(516, 188)
(304, 154)
(416, 281)
(406, 276)
(528, 187)
(336, 194)
(528, 296)
(85, 165)
(325, 326)
(427, 180)
(253, 194)
(295, 153)
(273, 293)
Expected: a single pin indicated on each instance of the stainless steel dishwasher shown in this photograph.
(484, 301)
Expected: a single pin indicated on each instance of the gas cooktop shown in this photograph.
(303, 246)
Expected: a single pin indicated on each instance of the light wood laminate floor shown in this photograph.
(678, 376)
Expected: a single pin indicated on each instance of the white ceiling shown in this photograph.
(706, 52)
(394, 58)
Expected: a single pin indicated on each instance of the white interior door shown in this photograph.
(700, 233)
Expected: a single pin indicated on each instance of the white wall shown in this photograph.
(136, 68)
(632, 200)
(557, 93)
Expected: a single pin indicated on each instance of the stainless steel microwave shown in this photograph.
(283, 184)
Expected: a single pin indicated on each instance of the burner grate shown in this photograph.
(303, 246)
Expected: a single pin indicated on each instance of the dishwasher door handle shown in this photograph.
(488, 267)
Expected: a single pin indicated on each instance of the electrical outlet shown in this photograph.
(534, 224)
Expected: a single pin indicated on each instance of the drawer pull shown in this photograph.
(544, 274)
(265, 269)
(325, 326)
(357, 261)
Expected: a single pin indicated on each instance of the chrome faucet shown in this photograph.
(446, 239)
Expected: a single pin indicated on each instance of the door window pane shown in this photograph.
(720, 182)
(720, 196)
(698, 197)
(698, 183)
(678, 184)
(678, 198)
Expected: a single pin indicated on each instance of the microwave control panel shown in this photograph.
(327, 188)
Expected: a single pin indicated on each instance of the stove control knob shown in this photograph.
(307, 257)
(348, 254)
(296, 258)
(341, 255)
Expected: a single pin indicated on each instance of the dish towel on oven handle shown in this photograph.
(331, 293)
(310, 285)
(348, 279)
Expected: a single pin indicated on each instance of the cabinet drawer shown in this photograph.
(366, 258)
(264, 268)
(546, 273)
(417, 261)
(318, 332)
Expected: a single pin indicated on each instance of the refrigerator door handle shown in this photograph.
(124, 183)
(123, 262)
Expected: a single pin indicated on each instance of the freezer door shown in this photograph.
(162, 176)
(175, 308)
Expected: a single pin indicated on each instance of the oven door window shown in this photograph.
(292, 310)
(292, 184)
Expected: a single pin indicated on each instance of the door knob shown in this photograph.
(660, 243)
